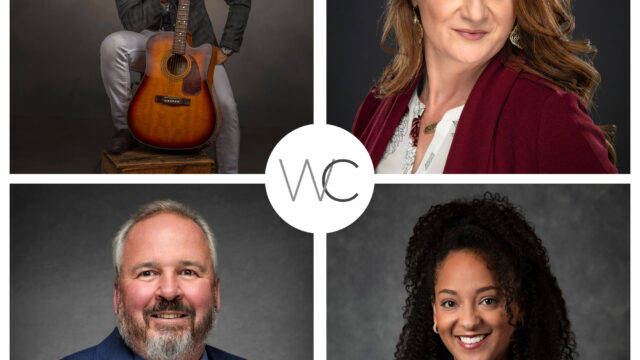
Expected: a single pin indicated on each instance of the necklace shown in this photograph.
(430, 128)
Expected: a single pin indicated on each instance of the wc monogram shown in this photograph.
(326, 174)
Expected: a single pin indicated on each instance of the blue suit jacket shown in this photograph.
(113, 347)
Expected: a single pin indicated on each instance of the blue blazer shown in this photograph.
(113, 347)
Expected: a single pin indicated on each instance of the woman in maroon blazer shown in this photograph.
(483, 87)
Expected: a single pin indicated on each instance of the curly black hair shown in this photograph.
(492, 227)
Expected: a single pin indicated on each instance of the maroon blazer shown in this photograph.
(512, 122)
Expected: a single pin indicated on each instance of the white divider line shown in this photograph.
(320, 239)
(633, 257)
(634, 167)
(320, 62)
(137, 179)
(320, 296)
(503, 179)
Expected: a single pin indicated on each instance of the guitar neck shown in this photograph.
(180, 34)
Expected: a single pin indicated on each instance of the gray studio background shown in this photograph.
(585, 229)
(355, 60)
(62, 276)
(60, 117)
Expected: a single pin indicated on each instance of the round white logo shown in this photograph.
(319, 178)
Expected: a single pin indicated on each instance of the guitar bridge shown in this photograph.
(172, 100)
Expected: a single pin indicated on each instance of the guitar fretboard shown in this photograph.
(180, 34)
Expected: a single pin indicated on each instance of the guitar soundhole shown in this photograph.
(177, 64)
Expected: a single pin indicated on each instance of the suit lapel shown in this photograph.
(113, 347)
(472, 144)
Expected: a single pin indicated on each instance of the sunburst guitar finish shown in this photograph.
(173, 107)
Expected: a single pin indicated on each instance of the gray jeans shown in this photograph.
(124, 51)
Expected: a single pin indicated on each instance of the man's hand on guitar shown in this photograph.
(220, 57)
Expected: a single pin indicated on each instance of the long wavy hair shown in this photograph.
(545, 28)
(493, 228)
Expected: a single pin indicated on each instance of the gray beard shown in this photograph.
(170, 344)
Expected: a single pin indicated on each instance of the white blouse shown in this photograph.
(400, 154)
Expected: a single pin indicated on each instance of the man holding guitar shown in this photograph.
(124, 50)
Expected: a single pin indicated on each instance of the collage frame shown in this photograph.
(320, 241)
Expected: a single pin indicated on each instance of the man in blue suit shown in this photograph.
(166, 288)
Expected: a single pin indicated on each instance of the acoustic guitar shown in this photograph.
(175, 106)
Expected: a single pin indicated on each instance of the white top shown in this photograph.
(400, 154)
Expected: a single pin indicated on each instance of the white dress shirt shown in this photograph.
(400, 154)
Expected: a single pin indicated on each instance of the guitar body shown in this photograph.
(174, 107)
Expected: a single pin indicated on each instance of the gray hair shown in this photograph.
(149, 210)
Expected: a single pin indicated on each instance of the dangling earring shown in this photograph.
(515, 37)
(435, 328)
(417, 25)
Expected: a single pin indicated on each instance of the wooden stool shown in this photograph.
(144, 161)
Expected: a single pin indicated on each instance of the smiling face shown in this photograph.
(168, 291)
(465, 31)
(469, 309)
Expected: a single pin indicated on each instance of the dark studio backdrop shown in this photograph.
(60, 116)
(355, 60)
(62, 274)
(585, 229)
